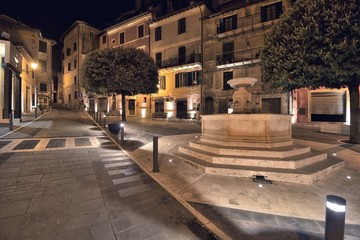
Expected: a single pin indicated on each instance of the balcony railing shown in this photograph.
(180, 60)
(238, 56)
(240, 23)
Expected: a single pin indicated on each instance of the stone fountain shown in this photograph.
(253, 145)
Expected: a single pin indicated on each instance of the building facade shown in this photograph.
(35, 84)
(233, 41)
(135, 33)
(176, 45)
(78, 40)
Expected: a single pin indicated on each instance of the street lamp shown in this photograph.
(34, 66)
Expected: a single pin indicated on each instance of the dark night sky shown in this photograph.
(53, 18)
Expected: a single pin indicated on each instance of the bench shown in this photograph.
(162, 115)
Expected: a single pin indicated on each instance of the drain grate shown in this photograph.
(200, 231)
(261, 179)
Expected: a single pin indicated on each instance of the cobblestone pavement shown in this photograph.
(61, 177)
(98, 192)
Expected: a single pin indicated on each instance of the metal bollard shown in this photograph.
(99, 117)
(335, 218)
(155, 155)
(96, 116)
(122, 133)
(11, 122)
(35, 112)
(104, 120)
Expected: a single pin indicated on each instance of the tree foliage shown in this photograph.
(125, 71)
(316, 44)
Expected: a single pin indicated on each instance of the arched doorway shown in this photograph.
(209, 105)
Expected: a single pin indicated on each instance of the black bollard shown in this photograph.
(104, 121)
(122, 133)
(96, 116)
(11, 122)
(335, 218)
(35, 112)
(100, 117)
(155, 155)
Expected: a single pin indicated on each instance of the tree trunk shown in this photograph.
(354, 113)
(123, 112)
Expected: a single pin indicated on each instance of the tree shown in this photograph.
(317, 44)
(125, 71)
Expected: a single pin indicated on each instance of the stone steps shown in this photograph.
(257, 160)
(277, 152)
(308, 174)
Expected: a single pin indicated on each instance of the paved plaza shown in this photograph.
(65, 177)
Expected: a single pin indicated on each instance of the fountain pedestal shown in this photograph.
(241, 96)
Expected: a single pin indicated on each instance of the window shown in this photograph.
(182, 55)
(42, 46)
(75, 63)
(69, 97)
(75, 80)
(162, 82)
(68, 52)
(228, 52)
(122, 38)
(43, 65)
(27, 68)
(158, 60)
(104, 39)
(69, 66)
(145, 99)
(271, 12)
(228, 24)
(181, 25)
(157, 33)
(140, 31)
(187, 79)
(226, 77)
(75, 95)
(43, 87)
(92, 34)
(75, 47)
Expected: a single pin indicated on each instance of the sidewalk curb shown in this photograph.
(203, 220)
(24, 124)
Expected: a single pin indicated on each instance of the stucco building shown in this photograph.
(78, 40)
(176, 45)
(29, 87)
(133, 32)
(233, 41)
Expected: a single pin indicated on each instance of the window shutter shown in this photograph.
(278, 7)
(234, 22)
(263, 14)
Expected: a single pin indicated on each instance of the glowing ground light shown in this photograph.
(170, 160)
(334, 154)
(348, 177)
(260, 185)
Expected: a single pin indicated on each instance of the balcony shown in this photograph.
(240, 23)
(238, 58)
(180, 60)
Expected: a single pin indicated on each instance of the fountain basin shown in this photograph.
(264, 130)
(236, 83)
